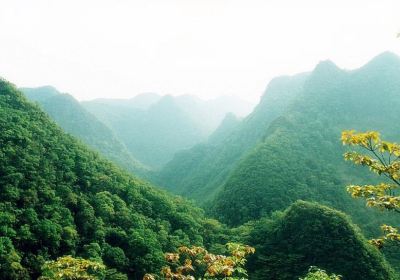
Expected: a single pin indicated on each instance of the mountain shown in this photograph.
(209, 114)
(40, 93)
(152, 135)
(308, 234)
(59, 198)
(141, 101)
(227, 126)
(200, 171)
(300, 156)
(170, 124)
(76, 120)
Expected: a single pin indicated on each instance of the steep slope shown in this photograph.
(59, 198)
(301, 154)
(74, 119)
(197, 173)
(227, 126)
(309, 234)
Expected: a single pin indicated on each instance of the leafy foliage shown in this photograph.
(383, 158)
(197, 263)
(69, 268)
(315, 273)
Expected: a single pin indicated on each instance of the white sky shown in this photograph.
(208, 48)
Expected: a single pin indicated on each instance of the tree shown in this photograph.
(197, 263)
(69, 268)
(314, 273)
(382, 158)
(10, 266)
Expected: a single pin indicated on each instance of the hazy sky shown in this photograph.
(121, 48)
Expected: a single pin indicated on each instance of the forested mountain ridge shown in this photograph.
(76, 120)
(300, 156)
(199, 172)
(58, 198)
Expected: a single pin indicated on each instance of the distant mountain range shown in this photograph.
(154, 128)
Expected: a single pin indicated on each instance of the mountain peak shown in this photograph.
(387, 55)
(40, 93)
(165, 104)
(326, 66)
(384, 60)
(325, 72)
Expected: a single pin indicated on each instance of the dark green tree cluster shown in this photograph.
(59, 198)
(308, 234)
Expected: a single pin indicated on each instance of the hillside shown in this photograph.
(199, 172)
(308, 234)
(76, 120)
(59, 198)
(300, 156)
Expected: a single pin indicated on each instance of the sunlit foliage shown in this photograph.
(190, 263)
(69, 268)
(316, 273)
(383, 158)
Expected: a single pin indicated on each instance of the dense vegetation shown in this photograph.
(76, 120)
(308, 234)
(58, 198)
(190, 263)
